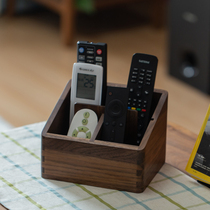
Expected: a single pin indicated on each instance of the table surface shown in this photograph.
(180, 143)
(179, 146)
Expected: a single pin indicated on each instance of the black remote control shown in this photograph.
(115, 114)
(141, 86)
(94, 53)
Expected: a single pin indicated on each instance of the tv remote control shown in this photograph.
(115, 114)
(94, 53)
(141, 86)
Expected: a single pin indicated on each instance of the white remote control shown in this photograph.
(83, 124)
(86, 87)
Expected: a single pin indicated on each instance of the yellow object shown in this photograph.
(198, 165)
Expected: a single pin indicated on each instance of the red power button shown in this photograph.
(99, 51)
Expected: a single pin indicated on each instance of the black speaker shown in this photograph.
(189, 42)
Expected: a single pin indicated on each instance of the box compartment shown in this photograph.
(101, 163)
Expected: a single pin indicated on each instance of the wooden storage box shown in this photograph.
(100, 163)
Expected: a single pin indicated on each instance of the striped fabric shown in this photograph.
(22, 188)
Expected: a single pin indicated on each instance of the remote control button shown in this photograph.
(83, 129)
(140, 126)
(131, 89)
(139, 135)
(88, 135)
(100, 64)
(148, 83)
(138, 94)
(143, 70)
(133, 81)
(139, 106)
(143, 110)
(90, 61)
(149, 75)
(112, 135)
(135, 73)
(133, 108)
(121, 124)
(90, 52)
(74, 133)
(99, 51)
(90, 48)
(146, 92)
(113, 123)
(149, 71)
(135, 69)
(81, 50)
(142, 74)
(84, 121)
(81, 57)
(90, 57)
(138, 109)
(99, 59)
(86, 115)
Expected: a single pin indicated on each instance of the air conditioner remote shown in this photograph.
(83, 124)
(141, 85)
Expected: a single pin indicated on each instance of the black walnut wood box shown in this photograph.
(101, 163)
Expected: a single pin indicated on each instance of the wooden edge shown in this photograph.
(60, 137)
(150, 127)
(56, 108)
(115, 145)
(98, 127)
(3, 207)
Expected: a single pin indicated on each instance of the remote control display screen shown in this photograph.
(86, 86)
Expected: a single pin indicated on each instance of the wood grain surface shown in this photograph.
(180, 143)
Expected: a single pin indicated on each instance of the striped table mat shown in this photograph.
(22, 188)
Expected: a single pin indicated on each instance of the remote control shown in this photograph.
(94, 53)
(83, 124)
(141, 86)
(86, 86)
(115, 114)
